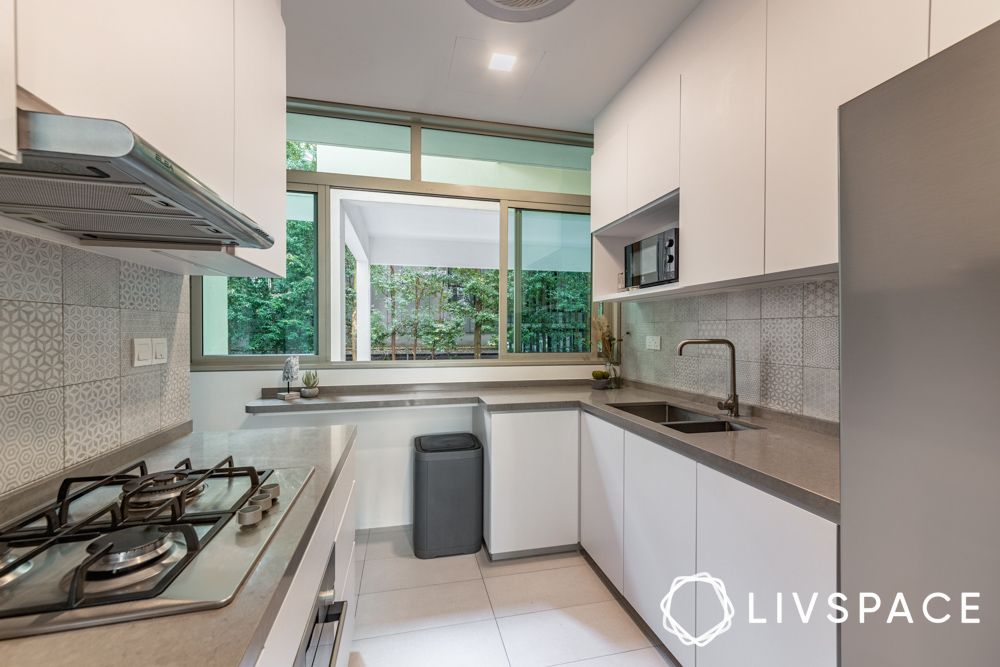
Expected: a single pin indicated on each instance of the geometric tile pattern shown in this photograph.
(64, 316)
(821, 342)
(140, 287)
(30, 269)
(90, 339)
(781, 341)
(31, 436)
(782, 335)
(781, 387)
(781, 301)
(821, 393)
(89, 279)
(176, 396)
(140, 401)
(93, 411)
(31, 350)
(821, 299)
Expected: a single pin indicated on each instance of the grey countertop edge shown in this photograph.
(278, 596)
(801, 497)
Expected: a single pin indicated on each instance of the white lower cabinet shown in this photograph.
(533, 481)
(660, 537)
(602, 495)
(756, 543)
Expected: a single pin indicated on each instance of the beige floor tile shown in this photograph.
(360, 544)
(499, 568)
(564, 635)
(466, 645)
(550, 589)
(647, 657)
(394, 542)
(411, 609)
(391, 574)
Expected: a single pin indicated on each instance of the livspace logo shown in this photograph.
(934, 607)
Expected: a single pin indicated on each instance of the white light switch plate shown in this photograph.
(652, 342)
(142, 352)
(159, 350)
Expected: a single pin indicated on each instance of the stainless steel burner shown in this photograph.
(130, 548)
(6, 558)
(157, 488)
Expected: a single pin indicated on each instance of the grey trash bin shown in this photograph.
(447, 495)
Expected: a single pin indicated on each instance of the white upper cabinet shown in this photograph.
(722, 46)
(8, 82)
(756, 543)
(601, 494)
(654, 134)
(260, 125)
(954, 20)
(165, 69)
(821, 54)
(608, 169)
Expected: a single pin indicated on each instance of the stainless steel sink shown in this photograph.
(713, 426)
(662, 412)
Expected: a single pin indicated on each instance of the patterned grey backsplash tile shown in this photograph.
(786, 338)
(30, 269)
(31, 437)
(31, 346)
(67, 389)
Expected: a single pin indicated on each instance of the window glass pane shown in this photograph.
(548, 281)
(421, 277)
(246, 316)
(339, 146)
(473, 159)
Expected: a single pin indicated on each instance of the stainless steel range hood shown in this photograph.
(98, 181)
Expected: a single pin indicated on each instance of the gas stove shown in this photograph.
(137, 544)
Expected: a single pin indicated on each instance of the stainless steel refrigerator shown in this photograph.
(920, 388)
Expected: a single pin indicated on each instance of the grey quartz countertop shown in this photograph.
(799, 465)
(218, 636)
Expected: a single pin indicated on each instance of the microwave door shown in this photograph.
(649, 261)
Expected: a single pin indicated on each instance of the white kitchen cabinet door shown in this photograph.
(821, 54)
(534, 481)
(602, 494)
(165, 69)
(722, 44)
(654, 128)
(660, 537)
(260, 126)
(756, 543)
(608, 175)
(8, 82)
(954, 20)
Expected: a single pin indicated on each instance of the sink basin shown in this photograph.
(662, 412)
(710, 426)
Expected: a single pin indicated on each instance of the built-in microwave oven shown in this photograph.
(652, 261)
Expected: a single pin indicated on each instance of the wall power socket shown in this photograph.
(652, 342)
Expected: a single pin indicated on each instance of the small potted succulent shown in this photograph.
(602, 380)
(310, 382)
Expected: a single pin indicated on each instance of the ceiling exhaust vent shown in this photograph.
(519, 11)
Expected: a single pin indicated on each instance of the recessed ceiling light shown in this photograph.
(502, 62)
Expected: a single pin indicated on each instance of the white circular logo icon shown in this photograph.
(671, 625)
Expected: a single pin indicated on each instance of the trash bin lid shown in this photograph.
(446, 442)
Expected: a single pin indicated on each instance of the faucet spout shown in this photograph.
(732, 403)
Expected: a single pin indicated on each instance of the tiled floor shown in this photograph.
(464, 611)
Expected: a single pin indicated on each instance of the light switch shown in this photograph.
(142, 352)
(652, 342)
(159, 350)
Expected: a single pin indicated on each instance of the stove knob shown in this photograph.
(262, 500)
(250, 515)
(273, 489)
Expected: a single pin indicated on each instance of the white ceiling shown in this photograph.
(423, 56)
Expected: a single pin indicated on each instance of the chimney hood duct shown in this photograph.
(100, 182)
